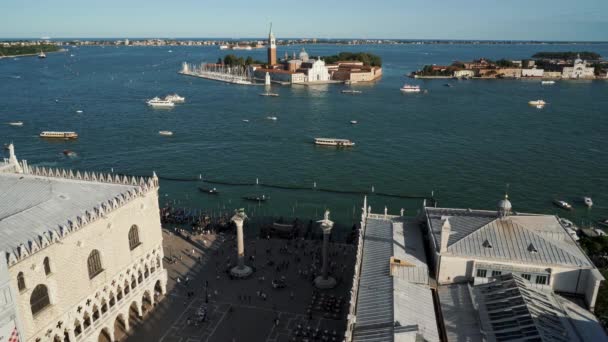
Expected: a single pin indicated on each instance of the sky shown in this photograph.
(580, 20)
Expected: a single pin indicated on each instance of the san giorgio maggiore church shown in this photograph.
(82, 252)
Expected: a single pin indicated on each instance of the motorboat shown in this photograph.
(334, 142)
(211, 191)
(353, 122)
(547, 82)
(351, 91)
(256, 198)
(158, 103)
(567, 222)
(41, 55)
(79, 111)
(407, 88)
(537, 103)
(59, 135)
(563, 204)
(245, 120)
(269, 94)
(588, 201)
(69, 153)
(273, 118)
(175, 98)
(165, 133)
(16, 123)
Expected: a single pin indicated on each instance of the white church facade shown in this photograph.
(579, 70)
(83, 251)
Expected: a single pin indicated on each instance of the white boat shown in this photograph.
(273, 118)
(245, 120)
(157, 102)
(79, 111)
(334, 142)
(165, 133)
(59, 135)
(269, 94)
(563, 204)
(175, 98)
(588, 201)
(354, 122)
(351, 91)
(537, 103)
(16, 123)
(547, 82)
(410, 88)
(41, 55)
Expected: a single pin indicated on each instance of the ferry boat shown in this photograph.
(563, 204)
(165, 133)
(269, 94)
(588, 201)
(175, 98)
(16, 123)
(334, 142)
(41, 55)
(547, 82)
(410, 88)
(211, 191)
(351, 91)
(537, 103)
(157, 102)
(59, 135)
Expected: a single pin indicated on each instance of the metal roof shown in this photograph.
(394, 307)
(31, 206)
(524, 238)
(460, 318)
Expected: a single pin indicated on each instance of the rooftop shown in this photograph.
(39, 206)
(384, 303)
(518, 237)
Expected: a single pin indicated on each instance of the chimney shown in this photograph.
(446, 228)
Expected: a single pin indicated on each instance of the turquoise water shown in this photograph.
(465, 142)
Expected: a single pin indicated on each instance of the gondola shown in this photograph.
(212, 191)
(256, 198)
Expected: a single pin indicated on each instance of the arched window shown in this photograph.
(20, 281)
(94, 264)
(134, 237)
(39, 299)
(47, 266)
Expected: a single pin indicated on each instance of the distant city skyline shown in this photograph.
(556, 20)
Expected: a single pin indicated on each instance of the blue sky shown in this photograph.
(406, 19)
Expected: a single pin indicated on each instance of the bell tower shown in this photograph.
(272, 48)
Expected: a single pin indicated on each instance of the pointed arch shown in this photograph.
(39, 299)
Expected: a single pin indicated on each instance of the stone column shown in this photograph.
(240, 270)
(324, 281)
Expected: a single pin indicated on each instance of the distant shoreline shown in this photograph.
(32, 54)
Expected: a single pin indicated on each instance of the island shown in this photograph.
(542, 65)
(345, 67)
(25, 49)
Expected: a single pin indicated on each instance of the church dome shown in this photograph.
(303, 56)
(504, 205)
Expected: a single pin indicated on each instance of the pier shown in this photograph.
(219, 72)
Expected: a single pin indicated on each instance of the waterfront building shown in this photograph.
(578, 70)
(475, 245)
(508, 72)
(280, 75)
(272, 48)
(464, 73)
(354, 72)
(315, 71)
(534, 72)
(83, 251)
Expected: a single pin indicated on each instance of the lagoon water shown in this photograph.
(464, 142)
